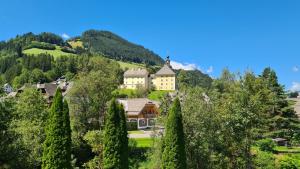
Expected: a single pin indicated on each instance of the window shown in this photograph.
(142, 123)
(151, 122)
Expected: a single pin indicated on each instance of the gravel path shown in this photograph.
(145, 134)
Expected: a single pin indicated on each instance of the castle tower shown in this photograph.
(168, 62)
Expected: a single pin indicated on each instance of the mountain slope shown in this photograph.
(115, 47)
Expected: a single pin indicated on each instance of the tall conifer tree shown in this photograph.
(173, 150)
(123, 138)
(115, 153)
(56, 154)
(67, 135)
(112, 142)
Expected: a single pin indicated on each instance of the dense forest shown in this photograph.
(227, 122)
(115, 47)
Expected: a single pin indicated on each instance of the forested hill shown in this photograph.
(42, 55)
(93, 42)
(115, 47)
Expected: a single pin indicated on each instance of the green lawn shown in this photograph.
(144, 142)
(55, 53)
(127, 92)
(157, 95)
(128, 65)
(136, 132)
(287, 149)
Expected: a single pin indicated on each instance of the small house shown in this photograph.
(280, 141)
(7, 88)
(141, 110)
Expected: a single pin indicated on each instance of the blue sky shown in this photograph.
(207, 34)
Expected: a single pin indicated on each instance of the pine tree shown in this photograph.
(173, 150)
(123, 138)
(56, 154)
(112, 142)
(67, 135)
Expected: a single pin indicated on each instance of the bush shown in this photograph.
(40, 45)
(288, 162)
(266, 145)
(293, 94)
(68, 50)
(131, 126)
(264, 160)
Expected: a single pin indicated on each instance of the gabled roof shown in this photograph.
(6, 85)
(50, 89)
(135, 106)
(136, 73)
(165, 70)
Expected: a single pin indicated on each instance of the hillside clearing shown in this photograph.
(55, 53)
(75, 44)
(128, 65)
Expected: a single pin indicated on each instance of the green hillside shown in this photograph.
(115, 47)
(55, 53)
(130, 65)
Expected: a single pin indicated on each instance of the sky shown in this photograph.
(209, 35)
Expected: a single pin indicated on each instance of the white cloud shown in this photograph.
(184, 66)
(296, 69)
(65, 36)
(295, 86)
(210, 69)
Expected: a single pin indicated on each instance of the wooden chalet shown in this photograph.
(141, 110)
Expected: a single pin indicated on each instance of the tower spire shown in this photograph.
(168, 62)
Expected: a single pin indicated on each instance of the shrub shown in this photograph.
(288, 162)
(68, 50)
(293, 94)
(264, 160)
(40, 45)
(266, 145)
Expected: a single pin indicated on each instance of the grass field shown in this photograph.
(77, 43)
(128, 65)
(157, 95)
(55, 53)
(287, 149)
(121, 92)
(144, 142)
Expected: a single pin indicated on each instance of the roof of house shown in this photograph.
(165, 70)
(6, 85)
(136, 72)
(279, 139)
(50, 89)
(135, 106)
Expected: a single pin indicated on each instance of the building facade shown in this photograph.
(141, 110)
(164, 79)
(134, 78)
